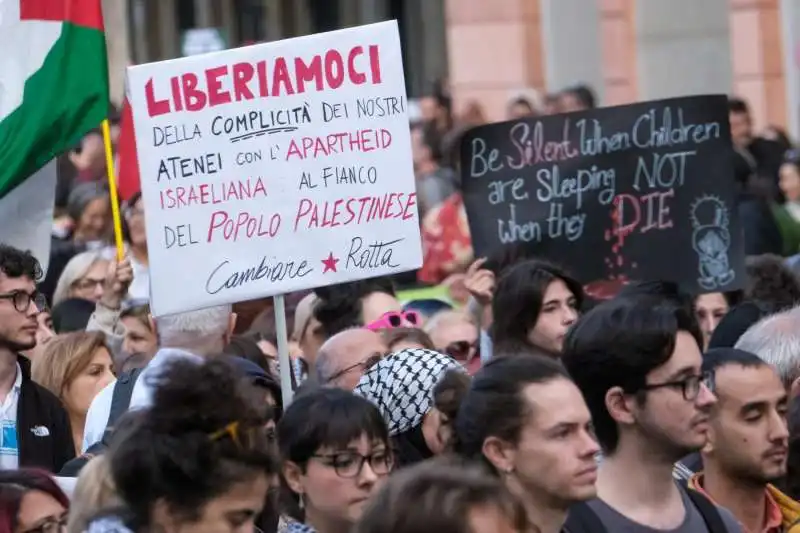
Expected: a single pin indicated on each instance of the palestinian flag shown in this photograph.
(53, 89)
(128, 182)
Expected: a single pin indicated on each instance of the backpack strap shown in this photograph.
(121, 398)
(709, 511)
(582, 519)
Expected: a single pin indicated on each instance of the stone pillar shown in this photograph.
(618, 38)
(229, 24)
(757, 52)
(115, 19)
(494, 50)
(203, 14)
(790, 33)
(168, 29)
(572, 44)
(372, 11)
(274, 13)
(140, 40)
(683, 47)
(349, 13)
(302, 17)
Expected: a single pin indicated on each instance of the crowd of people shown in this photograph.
(511, 402)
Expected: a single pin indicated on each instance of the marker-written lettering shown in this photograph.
(244, 225)
(532, 148)
(222, 278)
(354, 211)
(212, 193)
(372, 256)
(364, 141)
(282, 76)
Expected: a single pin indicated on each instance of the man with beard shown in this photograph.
(34, 428)
(748, 442)
(638, 365)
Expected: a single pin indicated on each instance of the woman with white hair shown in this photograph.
(83, 277)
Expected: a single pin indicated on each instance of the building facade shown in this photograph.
(627, 50)
(154, 29)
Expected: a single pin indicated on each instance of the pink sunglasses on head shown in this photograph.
(396, 319)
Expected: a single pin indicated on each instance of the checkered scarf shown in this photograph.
(401, 386)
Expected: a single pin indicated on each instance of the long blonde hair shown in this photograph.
(94, 492)
(64, 359)
(77, 267)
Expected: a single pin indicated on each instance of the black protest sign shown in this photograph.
(635, 192)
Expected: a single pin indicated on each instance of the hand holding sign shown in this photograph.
(275, 168)
(480, 282)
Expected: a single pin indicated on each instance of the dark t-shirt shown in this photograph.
(692, 523)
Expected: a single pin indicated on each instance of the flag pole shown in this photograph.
(112, 187)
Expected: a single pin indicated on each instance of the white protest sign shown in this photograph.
(275, 168)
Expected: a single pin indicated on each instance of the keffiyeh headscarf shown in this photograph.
(401, 386)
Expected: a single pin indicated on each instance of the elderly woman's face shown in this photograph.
(90, 285)
(94, 220)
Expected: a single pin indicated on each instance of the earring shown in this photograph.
(509, 470)
(301, 501)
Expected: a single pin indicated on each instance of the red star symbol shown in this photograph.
(330, 263)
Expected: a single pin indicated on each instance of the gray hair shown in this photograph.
(77, 267)
(776, 340)
(82, 195)
(446, 318)
(202, 331)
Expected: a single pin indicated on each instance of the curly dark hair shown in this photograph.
(15, 263)
(770, 281)
(339, 306)
(204, 433)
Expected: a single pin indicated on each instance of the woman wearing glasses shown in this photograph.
(31, 502)
(83, 277)
(200, 459)
(336, 454)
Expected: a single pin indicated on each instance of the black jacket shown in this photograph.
(44, 435)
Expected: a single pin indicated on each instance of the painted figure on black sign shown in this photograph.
(711, 239)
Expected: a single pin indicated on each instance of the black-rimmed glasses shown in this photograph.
(51, 524)
(365, 365)
(22, 300)
(689, 386)
(350, 464)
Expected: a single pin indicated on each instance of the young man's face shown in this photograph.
(674, 413)
(749, 438)
(741, 129)
(18, 325)
(555, 455)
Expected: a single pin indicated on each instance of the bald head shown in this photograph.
(342, 359)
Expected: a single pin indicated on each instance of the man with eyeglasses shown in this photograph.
(343, 359)
(748, 443)
(34, 428)
(638, 364)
